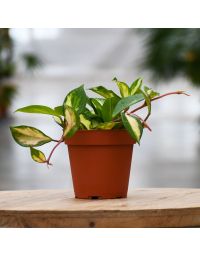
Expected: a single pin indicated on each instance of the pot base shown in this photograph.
(101, 197)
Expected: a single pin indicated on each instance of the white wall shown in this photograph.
(79, 50)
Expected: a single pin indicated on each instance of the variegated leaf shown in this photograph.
(29, 136)
(106, 125)
(97, 104)
(107, 108)
(71, 122)
(86, 122)
(76, 99)
(95, 122)
(123, 87)
(102, 91)
(135, 86)
(148, 101)
(89, 114)
(150, 92)
(37, 155)
(133, 125)
(59, 121)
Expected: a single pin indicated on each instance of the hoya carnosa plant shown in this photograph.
(80, 112)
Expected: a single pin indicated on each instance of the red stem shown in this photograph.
(51, 153)
(156, 98)
(54, 140)
(143, 122)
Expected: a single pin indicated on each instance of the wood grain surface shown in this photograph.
(142, 208)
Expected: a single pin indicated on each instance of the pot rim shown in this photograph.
(101, 137)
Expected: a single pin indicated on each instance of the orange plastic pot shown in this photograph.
(100, 163)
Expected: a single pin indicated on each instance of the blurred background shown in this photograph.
(40, 66)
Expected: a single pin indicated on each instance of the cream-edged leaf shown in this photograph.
(97, 105)
(123, 87)
(37, 155)
(102, 91)
(29, 136)
(59, 121)
(85, 121)
(135, 86)
(133, 125)
(76, 99)
(148, 101)
(71, 122)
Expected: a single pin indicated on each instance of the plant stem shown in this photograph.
(54, 140)
(179, 92)
(51, 153)
(156, 98)
(143, 122)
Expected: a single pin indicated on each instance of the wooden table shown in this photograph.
(142, 208)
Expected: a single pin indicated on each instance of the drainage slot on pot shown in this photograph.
(95, 197)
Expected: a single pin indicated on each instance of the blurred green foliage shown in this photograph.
(7, 69)
(173, 52)
(6, 54)
(31, 61)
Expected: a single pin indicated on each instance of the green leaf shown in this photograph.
(99, 100)
(59, 121)
(127, 102)
(89, 114)
(133, 125)
(42, 109)
(86, 122)
(135, 86)
(37, 155)
(102, 91)
(106, 125)
(97, 104)
(59, 110)
(147, 100)
(108, 107)
(95, 122)
(123, 87)
(29, 136)
(76, 99)
(150, 92)
(71, 122)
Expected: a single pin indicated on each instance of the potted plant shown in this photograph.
(100, 133)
